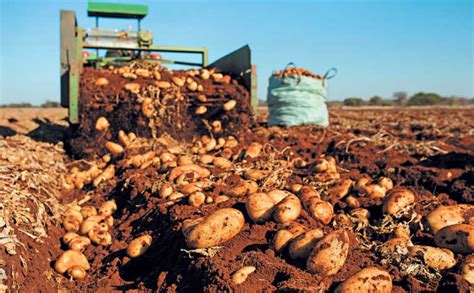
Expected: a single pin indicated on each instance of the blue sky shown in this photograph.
(379, 47)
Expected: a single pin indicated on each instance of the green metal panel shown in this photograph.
(68, 35)
(238, 63)
(75, 74)
(114, 10)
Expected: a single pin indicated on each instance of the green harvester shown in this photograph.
(124, 46)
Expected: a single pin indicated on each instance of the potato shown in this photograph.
(245, 188)
(79, 243)
(255, 174)
(375, 191)
(107, 174)
(229, 105)
(301, 246)
(371, 279)
(457, 238)
(386, 183)
(69, 259)
(329, 254)
(191, 168)
(102, 124)
(114, 148)
(467, 269)
(395, 245)
(320, 210)
(341, 189)
(222, 163)
(101, 81)
(283, 237)
(398, 200)
(289, 209)
(138, 246)
(242, 274)
(444, 216)
(259, 207)
(253, 150)
(433, 257)
(214, 229)
(278, 195)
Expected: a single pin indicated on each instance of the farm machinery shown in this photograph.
(81, 47)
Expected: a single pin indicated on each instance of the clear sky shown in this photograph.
(379, 47)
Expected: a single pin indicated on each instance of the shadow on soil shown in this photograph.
(48, 131)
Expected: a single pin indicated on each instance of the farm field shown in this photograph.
(426, 151)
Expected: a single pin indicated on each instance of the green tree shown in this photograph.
(424, 99)
(50, 104)
(401, 98)
(353, 102)
(376, 101)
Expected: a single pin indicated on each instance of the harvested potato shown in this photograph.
(70, 258)
(242, 274)
(341, 189)
(72, 220)
(467, 269)
(259, 207)
(283, 237)
(102, 124)
(201, 172)
(301, 246)
(320, 210)
(101, 81)
(88, 211)
(100, 237)
(457, 238)
(246, 187)
(433, 257)
(229, 105)
(114, 148)
(444, 216)
(287, 210)
(139, 246)
(197, 199)
(107, 174)
(371, 279)
(278, 195)
(79, 243)
(107, 208)
(398, 200)
(77, 272)
(253, 150)
(68, 237)
(329, 254)
(214, 229)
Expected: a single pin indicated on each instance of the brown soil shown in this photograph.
(429, 151)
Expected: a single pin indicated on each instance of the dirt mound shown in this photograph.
(169, 265)
(172, 98)
(30, 212)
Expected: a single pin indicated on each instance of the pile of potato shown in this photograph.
(335, 202)
(296, 71)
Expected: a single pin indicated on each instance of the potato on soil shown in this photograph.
(371, 279)
(79, 243)
(467, 269)
(283, 237)
(301, 246)
(320, 210)
(457, 238)
(139, 246)
(259, 207)
(398, 200)
(341, 189)
(253, 150)
(191, 168)
(72, 220)
(70, 258)
(102, 124)
(329, 254)
(214, 229)
(287, 210)
(444, 216)
(242, 274)
(434, 257)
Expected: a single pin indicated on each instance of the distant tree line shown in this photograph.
(401, 99)
(47, 104)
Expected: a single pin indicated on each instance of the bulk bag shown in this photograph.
(298, 100)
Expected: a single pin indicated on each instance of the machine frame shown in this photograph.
(74, 41)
